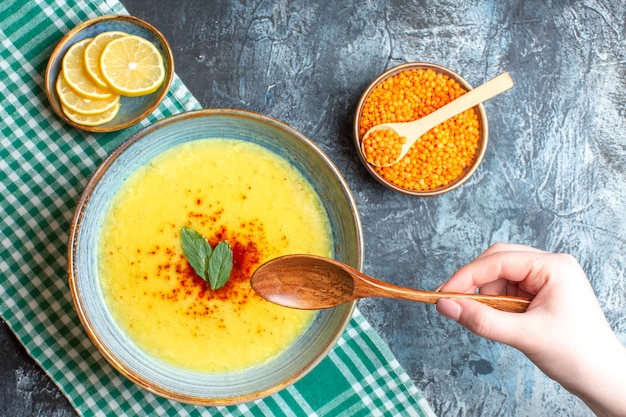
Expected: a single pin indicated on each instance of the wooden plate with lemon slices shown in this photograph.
(109, 73)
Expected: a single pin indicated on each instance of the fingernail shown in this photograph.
(449, 309)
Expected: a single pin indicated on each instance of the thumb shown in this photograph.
(482, 320)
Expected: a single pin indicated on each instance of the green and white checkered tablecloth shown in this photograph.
(44, 165)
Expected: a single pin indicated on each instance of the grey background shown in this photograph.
(553, 176)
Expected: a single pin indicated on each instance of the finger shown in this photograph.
(504, 287)
(484, 321)
(514, 266)
(508, 247)
(497, 288)
(444, 287)
(500, 286)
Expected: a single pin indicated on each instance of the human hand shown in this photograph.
(564, 331)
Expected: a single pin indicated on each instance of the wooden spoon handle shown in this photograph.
(371, 287)
(499, 302)
(472, 98)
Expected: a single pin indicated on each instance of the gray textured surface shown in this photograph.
(553, 176)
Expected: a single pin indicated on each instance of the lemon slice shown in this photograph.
(92, 119)
(93, 51)
(132, 66)
(80, 104)
(73, 69)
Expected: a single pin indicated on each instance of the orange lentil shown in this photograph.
(440, 155)
(383, 146)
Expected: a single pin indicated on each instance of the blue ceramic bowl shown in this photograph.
(169, 381)
(132, 109)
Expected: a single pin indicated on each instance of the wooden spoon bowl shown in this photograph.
(312, 282)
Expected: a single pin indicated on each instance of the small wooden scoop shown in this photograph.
(311, 282)
(412, 131)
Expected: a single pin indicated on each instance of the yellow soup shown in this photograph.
(228, 190)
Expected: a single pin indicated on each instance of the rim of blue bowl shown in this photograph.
(92, 25)
(344, 313)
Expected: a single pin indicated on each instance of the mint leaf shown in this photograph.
(212, 265)
(220, 265)
(197, 251)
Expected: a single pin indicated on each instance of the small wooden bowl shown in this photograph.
(132, 109)
(482, 120)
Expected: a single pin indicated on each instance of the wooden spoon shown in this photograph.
(412, 131)
(311, 282)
